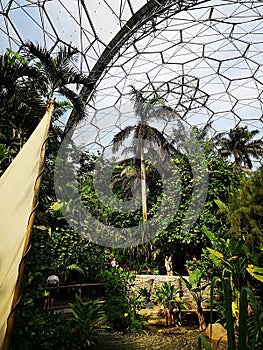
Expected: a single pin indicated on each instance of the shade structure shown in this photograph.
(18, 198)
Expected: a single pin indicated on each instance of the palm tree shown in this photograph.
(202, 134)
(239, 143)
(21, 104)
(145, 110)
(168, 297)
(28, 76)
(56, 73)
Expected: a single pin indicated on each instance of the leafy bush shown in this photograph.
(116, 308)
(38, 329)
(168, 296)
(87, 319)
(120, 306)
(117, 281)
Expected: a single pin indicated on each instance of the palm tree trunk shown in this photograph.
(201, 318)
(143, 187)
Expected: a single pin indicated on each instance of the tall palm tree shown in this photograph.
(239, 143)
(56, 75)
(145, 110)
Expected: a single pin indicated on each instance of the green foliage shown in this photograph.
(135, 320)
(195, 286)
(121, 306)
(256, 272)
(4, 158)
(203, 343)
(255, 321)
(145, 293)
(117, 309)
(240, 143)
(56, 73)
(38, 329)
(68, 248)
(246, 340)
(221, 178)
(169, 297)
(117, 281)
(87, 318)
(122, 312)
(231, 255)
(243, 209)
(72, 257)
(65, 252)
(21, 104)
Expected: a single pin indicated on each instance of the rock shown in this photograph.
(218, 332)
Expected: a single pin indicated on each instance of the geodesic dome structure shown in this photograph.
(203, 57)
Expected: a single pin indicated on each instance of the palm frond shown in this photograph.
(121, 136)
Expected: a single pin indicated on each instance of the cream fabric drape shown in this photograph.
(16, 198)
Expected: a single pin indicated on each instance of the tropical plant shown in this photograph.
(243, 209)
(122, 306)
(196, 287)
(168, 296)
(117, 281)
(56, 72)
(117, 309)
(135, 319)
(232, 257)
(221, 179)
(239, 143)
(4, 158)
(234, 260)
(250, 312)
(21, 104)
(71, 252)
(72, 269)
(87, 318)
(35, 328)
(145, 110)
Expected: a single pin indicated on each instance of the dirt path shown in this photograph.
(164, 339)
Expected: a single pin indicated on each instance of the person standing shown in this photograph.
(113, 263)
(171, 261)
(52, 283)
(167, 266)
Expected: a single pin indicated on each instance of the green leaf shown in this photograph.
(202, 341)
(256, 272)
(243, 330)
(209, 234)
(195, 277)
(215, 253)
